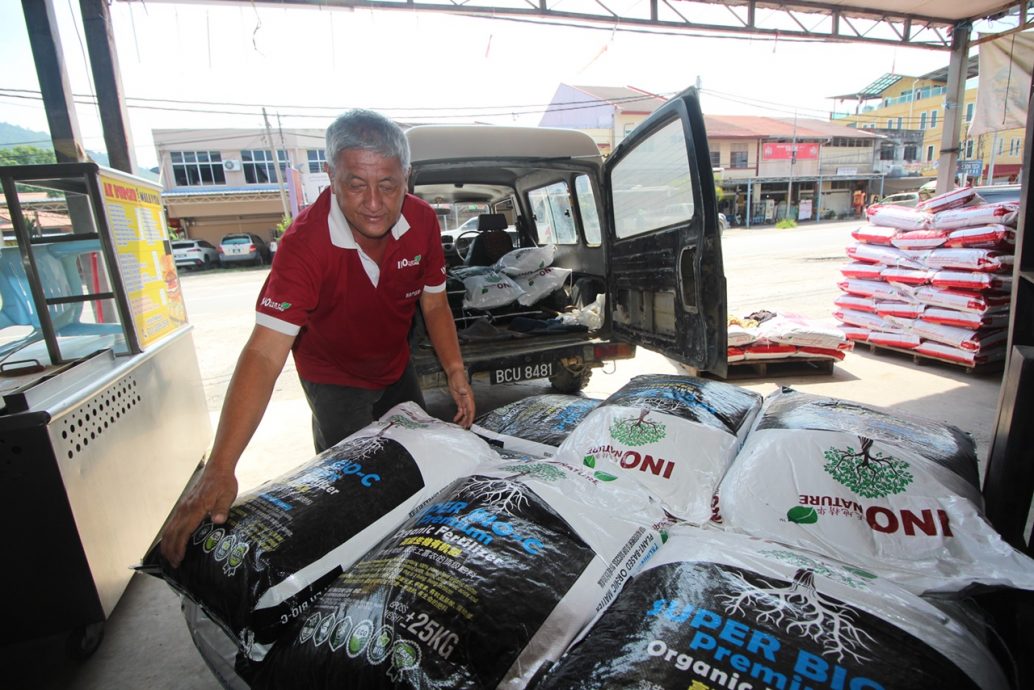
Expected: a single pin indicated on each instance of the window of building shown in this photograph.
(1014, 147)
(258, 165)
(911, 152)
(890, 124)
(738, 156)
(193, 168)
(922, 120)
(716, 158)
(969, 112)
(899, 122)
(933, 119)
(929, 153)
(317, 157)
(1001, 146)
(969, 148)
(887, 152)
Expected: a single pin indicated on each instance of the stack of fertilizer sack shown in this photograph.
(935, 280)
(523, 276)
(680, 533)
(766, 335)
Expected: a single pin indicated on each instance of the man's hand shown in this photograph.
(464, 398)
(211, 496)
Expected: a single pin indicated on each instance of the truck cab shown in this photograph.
(640, 230)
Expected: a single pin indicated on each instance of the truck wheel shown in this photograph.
(84, 640)
(568, 381)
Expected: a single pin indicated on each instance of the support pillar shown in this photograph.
(951, 133)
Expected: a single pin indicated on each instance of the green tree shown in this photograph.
(23, 154)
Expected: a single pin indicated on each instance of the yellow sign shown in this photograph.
(138, 231)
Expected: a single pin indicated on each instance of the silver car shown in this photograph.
(243, 248)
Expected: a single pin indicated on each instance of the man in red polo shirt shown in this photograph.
(341, 295)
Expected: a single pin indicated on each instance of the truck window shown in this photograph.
(653, 184)
(553, 218)
(587, 207)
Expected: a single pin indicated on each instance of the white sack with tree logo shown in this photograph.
(721, 610)
(880, 490)
(489, 580)
(674, 434)
(284, 541)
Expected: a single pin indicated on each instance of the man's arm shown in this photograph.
(258, 367)
(442, 331)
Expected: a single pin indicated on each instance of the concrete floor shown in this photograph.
(146, 642)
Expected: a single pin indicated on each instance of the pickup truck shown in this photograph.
(660, 274)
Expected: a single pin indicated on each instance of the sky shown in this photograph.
(308, 64)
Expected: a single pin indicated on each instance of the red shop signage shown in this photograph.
(773, 151)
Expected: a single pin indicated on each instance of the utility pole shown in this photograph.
(276, 165)
(793, 160)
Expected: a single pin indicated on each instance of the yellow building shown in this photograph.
(896, 102)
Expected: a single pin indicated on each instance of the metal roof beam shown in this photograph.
(782, 20)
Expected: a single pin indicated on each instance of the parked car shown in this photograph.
(911, 199)
(194, 254)
(993, 194)
(243, 248)
(723, 222)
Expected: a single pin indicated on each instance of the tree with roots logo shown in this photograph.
(639, 431)
(545, 471)
(867, 473)
(505, 495)
(801, 610)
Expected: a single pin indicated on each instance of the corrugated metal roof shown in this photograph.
(626, 99)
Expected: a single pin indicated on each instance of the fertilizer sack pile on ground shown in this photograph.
(478, 589)
(674, 434)
(720, 610)
(287, 539)
(894, 494)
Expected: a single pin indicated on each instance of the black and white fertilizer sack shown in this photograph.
(547, 419)
(287, 539)
(674, 434)
(883, 491)
(490, 580)
(719, 610)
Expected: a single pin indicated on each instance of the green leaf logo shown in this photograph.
(604, 477)
(802, 515)
(589, 460)
(284, 306)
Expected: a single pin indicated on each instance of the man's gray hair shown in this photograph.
(368, 131)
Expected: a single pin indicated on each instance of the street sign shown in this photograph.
(972, 168)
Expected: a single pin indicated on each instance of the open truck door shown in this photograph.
(665, 279)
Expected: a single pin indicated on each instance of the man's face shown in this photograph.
(370, 190)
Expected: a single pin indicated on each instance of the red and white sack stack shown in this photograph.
(785, 336)
(936, 279)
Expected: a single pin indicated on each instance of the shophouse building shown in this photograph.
(221, 181)
(606, 113)
(909, 111)
(767, 168)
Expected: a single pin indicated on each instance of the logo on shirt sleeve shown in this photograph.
(278, 306)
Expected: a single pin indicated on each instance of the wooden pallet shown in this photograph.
(920, 359)
(765, 368)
